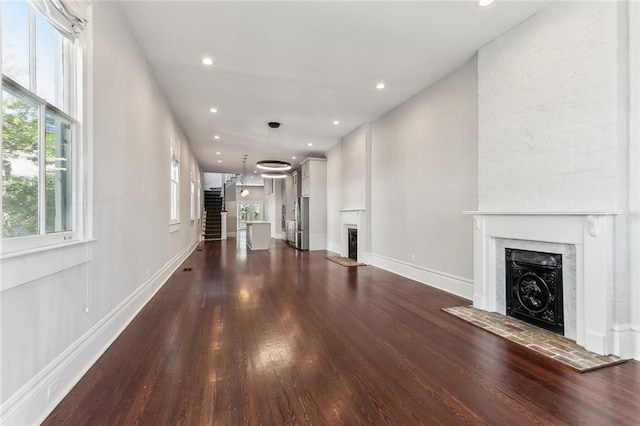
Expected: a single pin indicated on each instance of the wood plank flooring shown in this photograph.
(286, 337)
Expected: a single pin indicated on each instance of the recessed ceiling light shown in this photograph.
(310, 144)
(207, 61)
(213, 110)
(219, 161)
(216, 137)
(255, 171)
(293, 158)
(380, 86)
(218, 152)
(484, 3)
(336, 122)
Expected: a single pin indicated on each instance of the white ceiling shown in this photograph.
(304, 64)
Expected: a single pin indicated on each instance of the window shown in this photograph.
(192, 199)
(174, 163)
(39, 122)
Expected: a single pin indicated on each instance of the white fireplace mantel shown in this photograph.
(592, 234)
(354, 218)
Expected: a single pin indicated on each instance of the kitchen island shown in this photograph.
(258, 235)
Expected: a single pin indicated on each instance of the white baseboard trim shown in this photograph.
(334, 247)
(37, 398)
(626, 341)
(459, 286)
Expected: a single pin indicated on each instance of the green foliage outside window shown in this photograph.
(19, 146)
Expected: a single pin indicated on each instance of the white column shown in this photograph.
(223, 225)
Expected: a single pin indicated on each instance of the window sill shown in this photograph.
(22, 267)
(174, 227)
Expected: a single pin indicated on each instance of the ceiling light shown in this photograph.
(380, 86)
(207, 61)
(273, 175)
(273, 146)
(213, 110)
(255, 171)
(484, 3)
(219, 161)
(216, 137)
(310, 144)
(293, 158)
(218, 152)
(336, 122)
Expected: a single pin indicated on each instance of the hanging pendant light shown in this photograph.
(243, 191)
(274, 168)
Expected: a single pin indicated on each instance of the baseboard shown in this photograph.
(459, 286)
(334, 247)
(34, 401)
(626, 341)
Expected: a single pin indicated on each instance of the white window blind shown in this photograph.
(68, 16)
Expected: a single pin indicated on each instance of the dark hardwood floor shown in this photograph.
(287, 337)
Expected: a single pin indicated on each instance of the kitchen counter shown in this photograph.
(258, 235)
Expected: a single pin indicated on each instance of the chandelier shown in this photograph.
(274, 169)
(243, 191)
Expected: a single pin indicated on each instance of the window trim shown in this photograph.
(74, 55)
(43, 239)
(174, 165)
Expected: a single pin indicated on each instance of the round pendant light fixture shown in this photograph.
(273, 146)
(271, 175)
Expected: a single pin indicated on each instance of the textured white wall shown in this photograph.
(423, 175)
(354, 169)
(334, 197)
(547, 112)
(45, 329)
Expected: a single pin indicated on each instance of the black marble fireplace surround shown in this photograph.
(534, 288)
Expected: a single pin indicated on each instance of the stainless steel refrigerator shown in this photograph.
(302, 223)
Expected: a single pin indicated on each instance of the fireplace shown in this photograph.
(353, 243)
(534, 288)
(586, 241)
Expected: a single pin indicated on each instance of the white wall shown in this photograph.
(423, 175)
(354, 164)
(212, 180)
(547, 112)
(55, 326)
(334, 198)
(634, 172)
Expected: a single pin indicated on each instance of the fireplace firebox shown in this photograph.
(534, 288)
(353, 243)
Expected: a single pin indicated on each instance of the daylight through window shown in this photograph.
(39, 121)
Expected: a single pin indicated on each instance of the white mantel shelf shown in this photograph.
(547, 213)
(351, 210)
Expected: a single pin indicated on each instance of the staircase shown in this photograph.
(213, 207)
